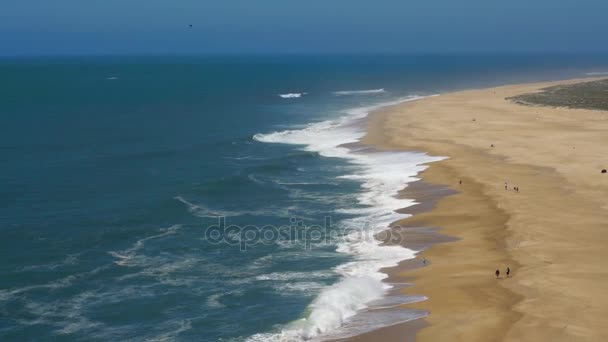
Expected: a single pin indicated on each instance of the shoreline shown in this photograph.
(465, 301)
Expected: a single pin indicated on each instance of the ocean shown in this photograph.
(212, 198)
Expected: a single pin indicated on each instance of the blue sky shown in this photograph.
(42, 27)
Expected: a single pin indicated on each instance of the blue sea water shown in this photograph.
(115, 172)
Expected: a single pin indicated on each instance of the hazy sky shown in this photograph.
(35, 27)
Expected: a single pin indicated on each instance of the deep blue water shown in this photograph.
(112, 169)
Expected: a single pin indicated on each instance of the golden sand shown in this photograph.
(553, 233)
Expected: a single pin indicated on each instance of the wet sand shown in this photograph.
(551, 233)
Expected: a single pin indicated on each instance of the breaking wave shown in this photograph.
(292, 95)
(359, 92)
(382, 175)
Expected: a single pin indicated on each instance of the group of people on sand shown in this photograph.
(515, 188)
(497, 273)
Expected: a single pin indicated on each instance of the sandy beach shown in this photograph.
(552, 233)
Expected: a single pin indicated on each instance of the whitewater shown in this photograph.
(382, 175)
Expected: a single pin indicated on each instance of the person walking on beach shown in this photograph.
(497, 273)
(508, 271)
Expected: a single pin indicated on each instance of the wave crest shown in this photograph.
(359, 92)
(291, 95)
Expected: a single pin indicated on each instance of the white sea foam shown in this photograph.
(296, 282)
(213, 301)
(286, 276)
(304, 183)
(327, 137)
(200, 210)
(172, 331)
(597, 73)
(292, 95)
(382, 175)
(263, 262)
(359, 92)
(70, 259)
(6, 295)
(129, 257)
